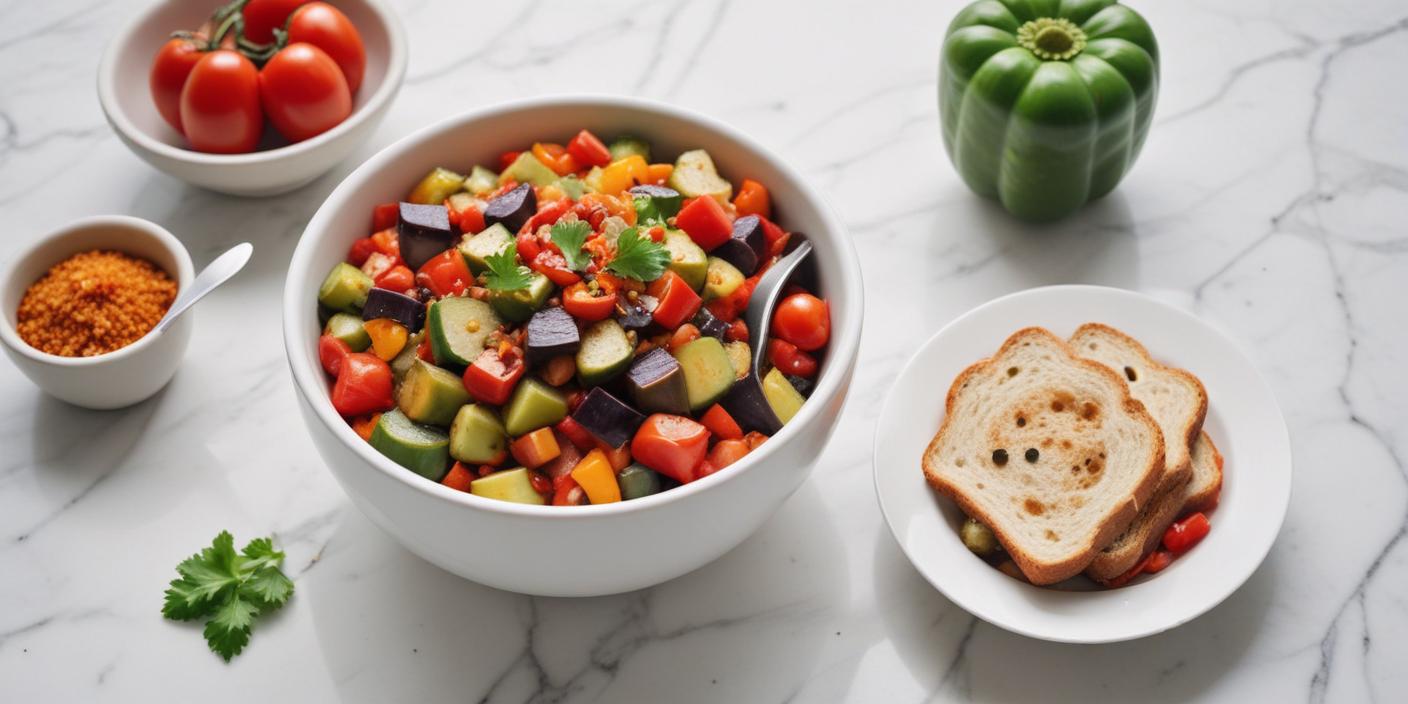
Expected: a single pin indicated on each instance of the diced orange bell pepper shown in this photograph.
(660, 173)
(595, 476)
(753, 199)
(536, 448)
(623, 174)
(388, 337)
(721, 424)
(726, 452)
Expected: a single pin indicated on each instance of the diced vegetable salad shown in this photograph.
(567, 330)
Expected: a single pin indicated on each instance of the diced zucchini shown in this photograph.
(708, 371)
(687, 258)
(514, 485)
(476, 248)
(721, 279)
(345, 289)
(533, 405)
(481, 182)
(431, 395)
(458, 327)
(741, 356)
(401, 363)
(784, 399)
(636, 481)
(436, 187)
(520, 304)
(656, 204)
(695, 176)
(605, 353)
(348, 328)
(477, 436)
(627, 146)
(572, 186)
(527, 169)
(419, 448)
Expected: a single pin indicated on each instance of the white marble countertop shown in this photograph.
(1271, 200)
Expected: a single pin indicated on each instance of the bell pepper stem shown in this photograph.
(1051, 38)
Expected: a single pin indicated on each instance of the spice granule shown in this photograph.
(93, 303)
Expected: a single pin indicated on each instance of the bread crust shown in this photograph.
(1205, 498)
(1111, 525)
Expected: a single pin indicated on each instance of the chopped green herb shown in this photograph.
(505, 273)
(569, 237)
(229, 589)
(639, 257)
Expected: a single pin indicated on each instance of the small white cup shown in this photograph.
(121, 377)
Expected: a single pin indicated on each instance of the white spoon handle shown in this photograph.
(214, 274)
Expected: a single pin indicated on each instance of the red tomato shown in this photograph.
(528, 246)
(585, 304)
(398, 278)
(721, 424)
(384, 216)
(706, 222)
(1183, 535)
(803, 320)
(303, 92)
(262, 16)
(785, 356)
(671, 445)
(172, 65)
(220, 104)
(490, 379)
(359, 252)
(363, 385)
(588, 150)
(331, 352)
(446, 274)
(325, 27)
(576, 434)
(388, 243)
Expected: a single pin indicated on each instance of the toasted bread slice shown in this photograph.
(1177, 401)
(1047, 449)
(1206, 484)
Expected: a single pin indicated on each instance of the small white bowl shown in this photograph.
(1243, 420)
(570, 550)
(126, 99)
(121, 377)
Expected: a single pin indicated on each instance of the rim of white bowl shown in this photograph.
(112, 108)
(841, 356)
(185, 272)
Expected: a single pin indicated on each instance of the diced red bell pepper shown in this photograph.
(388, 243)
(548, 214)
(331, 352)
(785, 356)
(576, 434)
(363, 385)
(470, 220)
(359, 252)
(528, 246)
(459, 477)
(672, 445)
(397, 278)
(589, 303)
(588, 150)
(731, 306)
(507, 158)
(425, 351)
(552, 265)
(1184, 534)
(535, 449)
(566, 492)
(677, 301)
(705, 221)
(726, 452)
(446, 274)
(1157, 561)
(384, 216)
(721, 424)
(567, 458)
(491, 379)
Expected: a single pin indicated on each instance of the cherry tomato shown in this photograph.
(785, 356)
(325, 27)
(363, 385)
(588, 304)
(303, 92)
(172, 65)
(446, 274)
(588, 150)
(803, 320)
(262, 16)
(220, 104)
(331, 352)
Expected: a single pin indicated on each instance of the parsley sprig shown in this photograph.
(228, 589)
(569, 237)
(638, 257)
(505, 273)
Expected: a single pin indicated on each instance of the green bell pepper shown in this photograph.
(1046, 103)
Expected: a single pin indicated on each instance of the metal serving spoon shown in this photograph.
(214, 274)
(746, 402)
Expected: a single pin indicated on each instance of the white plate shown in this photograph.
(1243, 420)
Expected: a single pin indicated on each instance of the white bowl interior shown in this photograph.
(1243, 421)
(134, 51)
(478, 138)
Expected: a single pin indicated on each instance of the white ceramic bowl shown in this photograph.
(119, 378)
(1243, 421)
(584, 550)
(279, 167)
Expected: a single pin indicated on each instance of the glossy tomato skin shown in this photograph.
(262, 16)
(803, 320)
(325, 27)
(220, 104)
(170, 69)
(303, 92)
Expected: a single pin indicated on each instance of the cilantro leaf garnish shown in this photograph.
(569, 237)
(228, 589)
(639, 257)
(505, 273)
